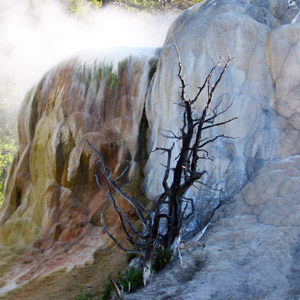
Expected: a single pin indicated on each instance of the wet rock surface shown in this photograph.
(52, 204)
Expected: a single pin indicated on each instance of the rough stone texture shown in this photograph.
(262, 81)
(252, 250)
(52, 201)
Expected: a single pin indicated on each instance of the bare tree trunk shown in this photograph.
(147, 264)
(171, 206)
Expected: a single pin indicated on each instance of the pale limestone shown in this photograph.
(248, 254)
(262, 81)
(251, 249)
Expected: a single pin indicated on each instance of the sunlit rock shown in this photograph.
(52, 201)
(261, 83)
(251, 249)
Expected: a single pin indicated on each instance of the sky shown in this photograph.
(36, 35)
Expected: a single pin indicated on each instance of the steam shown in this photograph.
(36, 35)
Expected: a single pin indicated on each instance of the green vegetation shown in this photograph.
(8, 144)
(132, 278)
(107, 290)
(113, 80)
(106, 71)
(162, 258)
(81, 7)
(85, 296)
(155, 5)
(9, 98)
(130, 281)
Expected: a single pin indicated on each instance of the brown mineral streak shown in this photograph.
(51, 190)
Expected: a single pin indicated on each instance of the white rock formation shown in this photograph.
(262, 81)
(252, 251)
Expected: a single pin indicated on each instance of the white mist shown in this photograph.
(36, 35)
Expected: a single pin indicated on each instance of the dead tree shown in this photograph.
(163, 223)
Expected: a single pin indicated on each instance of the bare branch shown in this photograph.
(220, 123)
(180, 75)
(215, 138)
(184, 123)
(164, 216)
(211, 119)
(122, 174)
(174, 136)
(163, 225)
(116, 187)
(229, 59)
(206, 156)
(209, 187)
(142, 206)
(167, 171)
(190, 200)
(206, 81)
(196, 175)
(122, 216)
(115, 286)
(116, 242)
(215, 109)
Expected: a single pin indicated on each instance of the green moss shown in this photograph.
(113, 80)
(107, 71)
(106, 74)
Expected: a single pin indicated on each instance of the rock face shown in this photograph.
(261, 82)
(252, 249)
(54, 164)
(52, 201)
